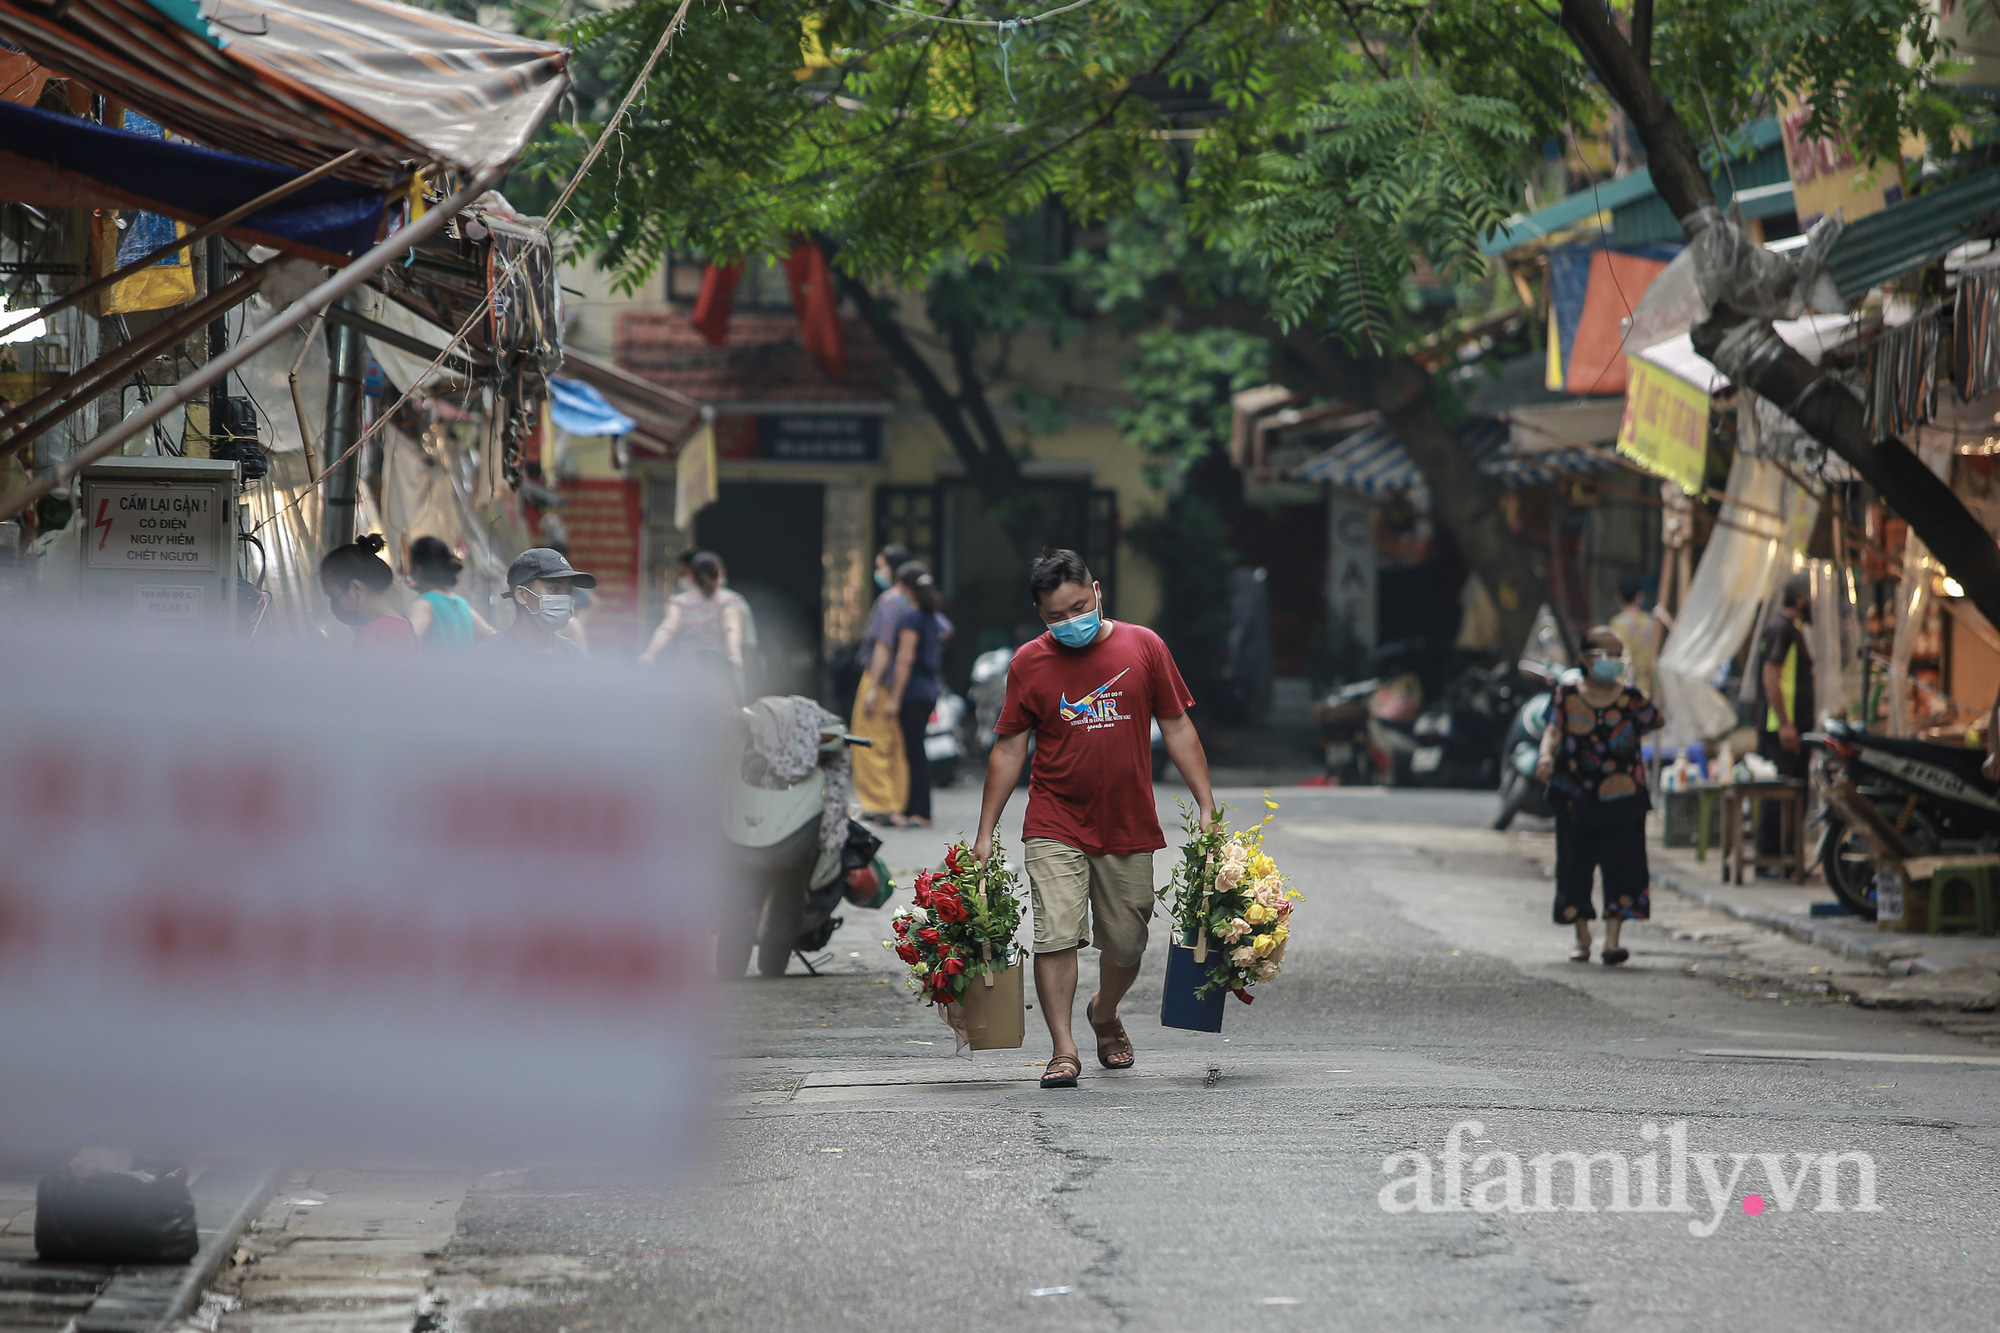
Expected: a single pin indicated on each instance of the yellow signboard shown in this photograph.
(1665, 429)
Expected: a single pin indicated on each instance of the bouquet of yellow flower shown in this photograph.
(1232, 903)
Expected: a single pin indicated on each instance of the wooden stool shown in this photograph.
(1739, 835)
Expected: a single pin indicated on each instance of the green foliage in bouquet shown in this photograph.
(1228, 891)
(961, 925)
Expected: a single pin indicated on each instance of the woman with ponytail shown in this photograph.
(356, 581)
(444, 622)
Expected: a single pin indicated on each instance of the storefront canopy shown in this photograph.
(1374, 463)
(58, 161)
(295, 82)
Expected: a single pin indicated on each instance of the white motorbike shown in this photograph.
(792, 886)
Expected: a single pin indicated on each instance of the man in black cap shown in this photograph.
(540, 582)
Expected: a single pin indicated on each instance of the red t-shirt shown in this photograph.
(386, 634)
(1091, 710)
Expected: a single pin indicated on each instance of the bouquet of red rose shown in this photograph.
(959, 929)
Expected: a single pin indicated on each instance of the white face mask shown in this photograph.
(552, 610)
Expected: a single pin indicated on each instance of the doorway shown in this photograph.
(770, 536)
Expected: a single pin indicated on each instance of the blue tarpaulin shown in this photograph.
(581, 410)
(55, 160)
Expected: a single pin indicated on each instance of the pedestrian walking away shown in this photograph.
(444, 622)
(356, 580)
(1088, 690)
(1784, 703)
(539, 583)
(882, 770)
(914, 686)
(702, 624)
(1590, 759)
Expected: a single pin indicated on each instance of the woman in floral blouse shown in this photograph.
(1597, 784)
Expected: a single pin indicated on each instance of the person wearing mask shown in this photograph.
(356, 580)
(1596, 777)
(443, 621)
(1088, 691)
(1639, 631)
(881, 771)
(1784, 703)
(748, 618)
(542, 585)
(701, 624)
(913, 684)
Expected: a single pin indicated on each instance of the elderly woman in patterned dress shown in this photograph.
(1597, 783)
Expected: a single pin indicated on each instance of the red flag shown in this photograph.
(718, 296)
(818, 308)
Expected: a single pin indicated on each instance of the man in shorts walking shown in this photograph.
(1088, 691)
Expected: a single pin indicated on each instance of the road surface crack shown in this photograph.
(1078, 1167)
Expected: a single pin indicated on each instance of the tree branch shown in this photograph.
(1670, 148)
(1642, 33)
(995, 472)
(972, 389)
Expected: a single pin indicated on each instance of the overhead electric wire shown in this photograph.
(981, 23)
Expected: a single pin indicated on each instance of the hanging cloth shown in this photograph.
(1976, 332)
(1902, 377)
(718, 298)
(818, 308)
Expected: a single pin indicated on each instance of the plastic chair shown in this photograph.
(1971, 884)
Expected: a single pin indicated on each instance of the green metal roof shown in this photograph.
(1639, 214)
(1915, 232)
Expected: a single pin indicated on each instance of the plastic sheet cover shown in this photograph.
(296, 81)
(1749, 555)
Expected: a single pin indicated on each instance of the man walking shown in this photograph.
(539, 583)
(1784, 701)
(1088, 691)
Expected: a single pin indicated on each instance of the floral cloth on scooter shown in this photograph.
(785, 732)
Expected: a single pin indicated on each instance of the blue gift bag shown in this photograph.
(1178, 1006)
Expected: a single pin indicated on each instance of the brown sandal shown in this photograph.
(1061, 1071)
(1112, 1043)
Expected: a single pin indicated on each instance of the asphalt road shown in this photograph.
(863, 1176)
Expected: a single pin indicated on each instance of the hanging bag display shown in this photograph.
(994, 1007)
(1187, 971)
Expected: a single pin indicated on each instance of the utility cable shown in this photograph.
(1005, 25)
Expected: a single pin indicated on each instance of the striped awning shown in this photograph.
(1374, 463)
(295, 82)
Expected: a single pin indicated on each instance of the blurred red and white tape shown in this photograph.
(341, 903)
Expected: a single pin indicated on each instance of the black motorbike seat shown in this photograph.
(1961, 760)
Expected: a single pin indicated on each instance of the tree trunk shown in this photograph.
(1464, 500)
(1752, 355)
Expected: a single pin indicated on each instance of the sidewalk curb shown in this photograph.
(1884, 955)
(154, 1299)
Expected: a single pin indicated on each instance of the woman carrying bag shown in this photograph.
(1597, 783)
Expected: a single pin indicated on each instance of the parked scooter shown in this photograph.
(944, 743)
(1520, 792)
(1934, 795)
(988, 694)
(1460, 742)
(791, 887)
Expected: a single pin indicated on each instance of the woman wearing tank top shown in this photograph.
(444, 621)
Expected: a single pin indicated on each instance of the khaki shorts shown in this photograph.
(1117, 890)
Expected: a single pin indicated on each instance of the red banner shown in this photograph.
(602, 518)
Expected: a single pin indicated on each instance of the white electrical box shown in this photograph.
(159, 539)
